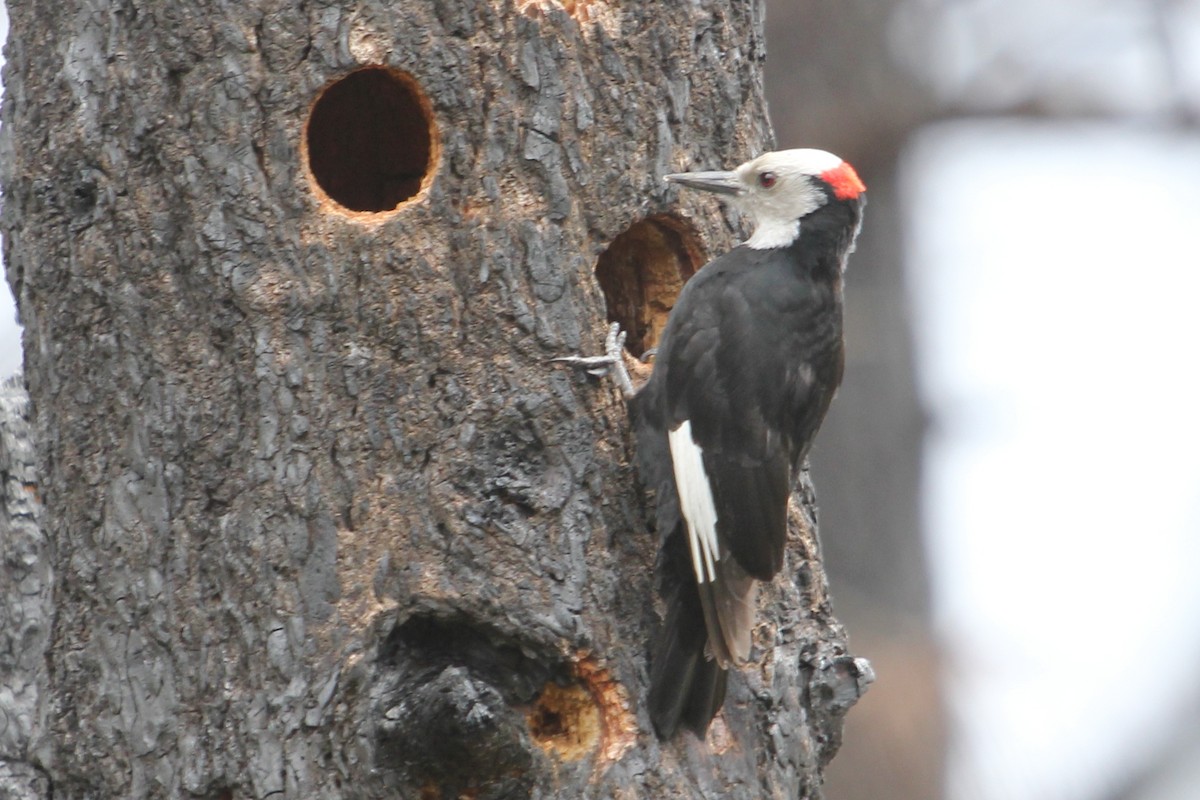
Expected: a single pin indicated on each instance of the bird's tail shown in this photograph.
(686, 685)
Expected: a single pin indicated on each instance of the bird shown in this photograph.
(744, 372)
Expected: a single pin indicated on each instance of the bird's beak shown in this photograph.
(716, 182)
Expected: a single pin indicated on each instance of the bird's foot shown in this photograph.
(612, 362)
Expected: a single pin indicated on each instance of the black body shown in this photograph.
(752, 355)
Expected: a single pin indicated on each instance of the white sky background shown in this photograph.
(1056, 288)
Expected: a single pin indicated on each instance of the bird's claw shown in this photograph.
(611, 362)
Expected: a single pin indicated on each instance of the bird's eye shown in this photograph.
(767, 179)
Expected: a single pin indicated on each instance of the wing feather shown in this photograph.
(733, 391)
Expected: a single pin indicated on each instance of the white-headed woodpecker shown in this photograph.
(745, 370)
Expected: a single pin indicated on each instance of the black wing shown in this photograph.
(749, 361)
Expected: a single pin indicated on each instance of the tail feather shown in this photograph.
(686, 685)
(728, 604)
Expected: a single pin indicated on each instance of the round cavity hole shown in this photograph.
(565, 720)
(642, 272)
(370, 140)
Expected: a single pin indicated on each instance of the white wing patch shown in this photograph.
(695, 501)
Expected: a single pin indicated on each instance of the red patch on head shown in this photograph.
(845, 181)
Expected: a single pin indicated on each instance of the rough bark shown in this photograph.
(25, 608)
(324, 522)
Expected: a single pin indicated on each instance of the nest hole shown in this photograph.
(566, 721)
(586, 715)
(641, 274)
(371, 140)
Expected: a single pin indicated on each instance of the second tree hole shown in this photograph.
(641, 274)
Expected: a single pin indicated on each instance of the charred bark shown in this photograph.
(324, 522)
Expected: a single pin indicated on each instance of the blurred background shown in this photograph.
(1009, 481)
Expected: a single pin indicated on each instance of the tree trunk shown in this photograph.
(325, 524)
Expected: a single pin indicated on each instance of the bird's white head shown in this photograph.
(778, 190)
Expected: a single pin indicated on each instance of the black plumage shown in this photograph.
(749, 360)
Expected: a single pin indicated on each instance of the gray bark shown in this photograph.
(25, 606)
(324, 522)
